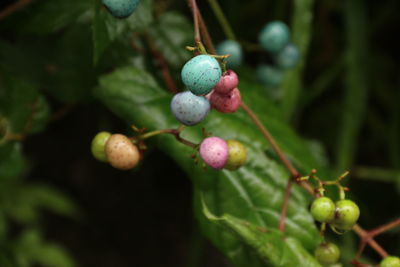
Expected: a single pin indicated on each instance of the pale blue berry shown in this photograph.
(121, 8)
(288, 56)
(270, 76)
(201, 74)
(188, 108)
(232, 48)
(274, 36)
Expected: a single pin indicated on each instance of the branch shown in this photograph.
(13, 8)
(195, 12)
(161, 64)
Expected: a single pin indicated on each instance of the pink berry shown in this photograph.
(226, 103)
(229, 80)
(214, 151)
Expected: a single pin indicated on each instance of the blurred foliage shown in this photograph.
(338, 110)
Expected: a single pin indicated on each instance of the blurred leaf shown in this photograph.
(271, 245)
(22, 106)
(44, 17)
(301, 36)
(171, 33)
(12, 162)
(355, 96)
(32, 249)
(254, 193)
(106, 28)
(23, 203)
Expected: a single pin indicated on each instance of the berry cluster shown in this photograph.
(117, 149)
(340, 216)
(121, 8)
(275, 39)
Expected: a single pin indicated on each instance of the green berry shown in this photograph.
(237, 155)
(98, 144)
(121, 152)
(323, 209)
(346, 214)
(327, 253)
(390, 261)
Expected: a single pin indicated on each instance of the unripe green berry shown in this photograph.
(98, 145)
(346, 214)
(121, 152)
(237, 155)
(323, 209)
(327, 253)
(390, 261)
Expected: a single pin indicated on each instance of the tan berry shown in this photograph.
(121, 153)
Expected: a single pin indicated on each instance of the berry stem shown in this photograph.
(367, 238)
(206, 35)
(219, 14)
(174, 132)
(386, 227)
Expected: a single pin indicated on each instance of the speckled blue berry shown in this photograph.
(288, 57)
(201, 74)
(270, 76)
(121, 8)
(274, 36)
(232, 48)
(189, 109)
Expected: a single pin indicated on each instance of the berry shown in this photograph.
(323, 209)
(274, 36)
(98, 144)
(188, 108)
(121, 8)
(121, 153)
(201, 74)
(327, 253)
(214, 152)
(270, 76)
(229, 80)
(346, 214)
(288, 56)
(234, 49)
(390, 261)
(228, 103)
(237, 155)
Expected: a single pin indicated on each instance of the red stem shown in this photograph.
(13, 8)
(285, 205)
(195, 11)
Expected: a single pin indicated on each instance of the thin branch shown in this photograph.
(216, 8)
(195, 11)
(206, 35)
(285, 205)
(384, 228)
(13, 8)
(175, 132)
(366, 238)
(292, 170)
(162, 64)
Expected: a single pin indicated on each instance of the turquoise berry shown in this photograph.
(390, 261)
(288, 56)
(346, 214)
(270, 76)
(188, 108)
(327, 253)
(98, 146)
(323, 209)
(121, 8)
(274, 36)
(201, 74)
(232, 48)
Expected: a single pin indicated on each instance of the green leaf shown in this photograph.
(106, 28)
(270, 244)
(12, 162)
(254, 193)
(171, 33)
